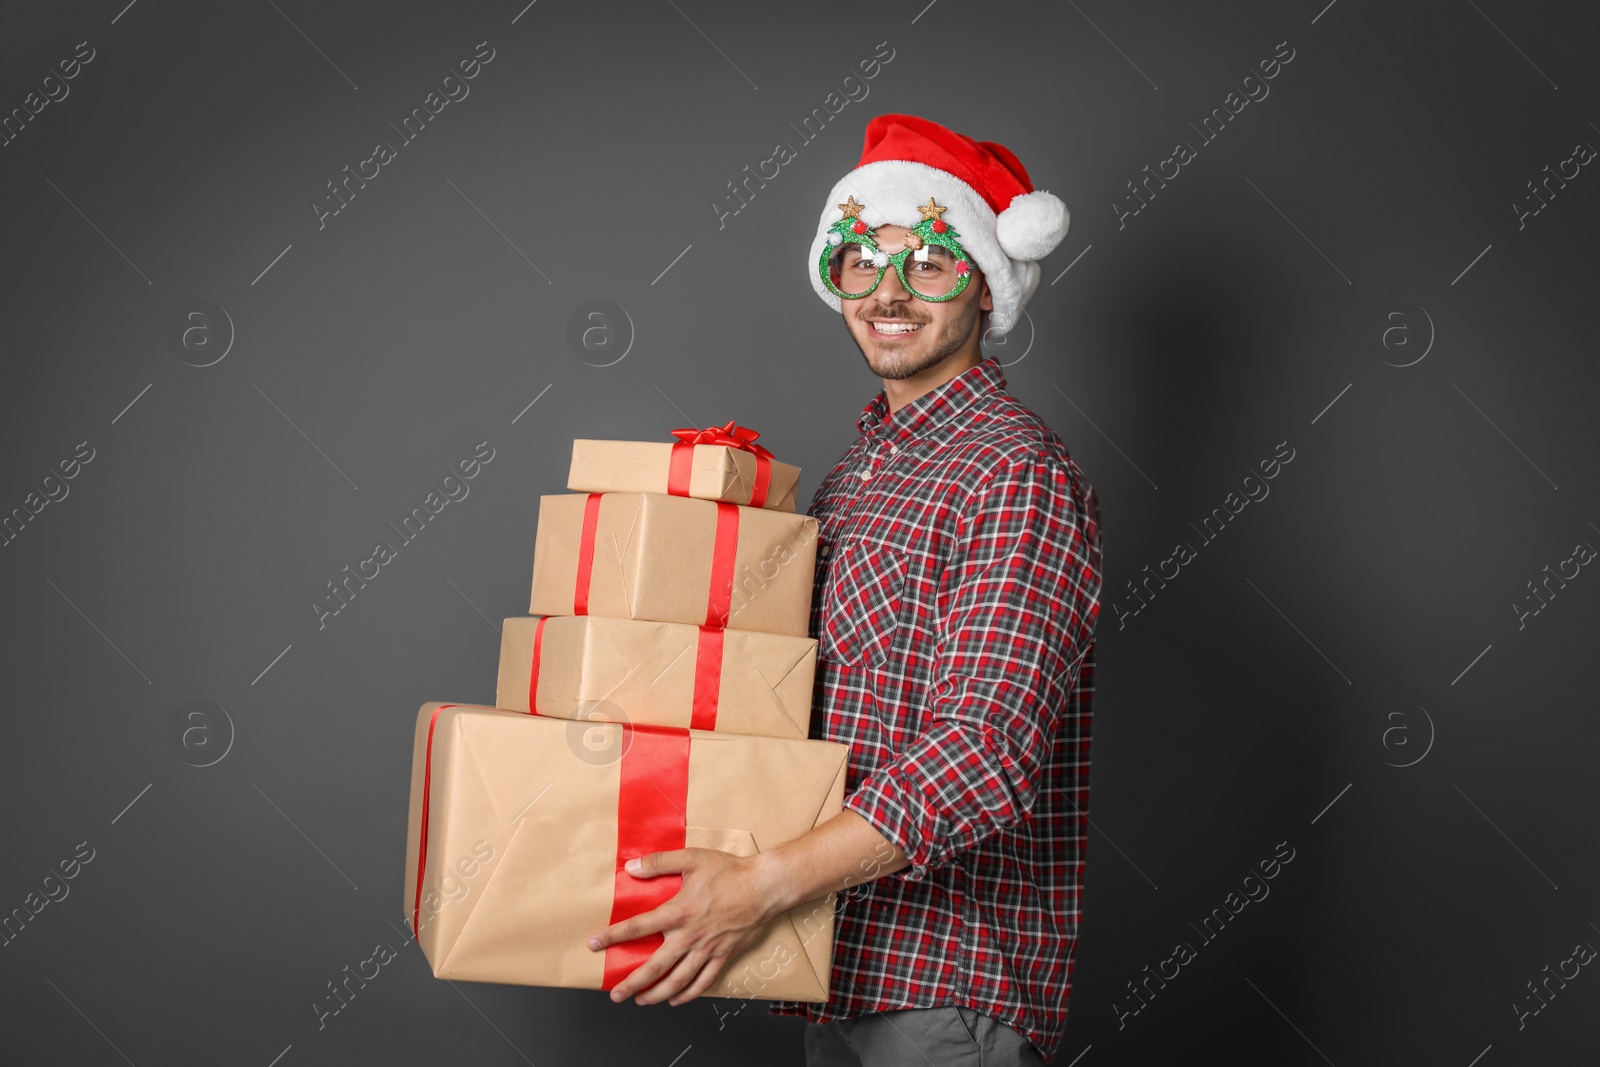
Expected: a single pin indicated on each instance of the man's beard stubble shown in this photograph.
(899, 365)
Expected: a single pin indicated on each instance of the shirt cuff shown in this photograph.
(897, 811)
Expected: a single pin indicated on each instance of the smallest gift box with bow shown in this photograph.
(718, 463)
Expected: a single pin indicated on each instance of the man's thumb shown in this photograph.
(654, 863)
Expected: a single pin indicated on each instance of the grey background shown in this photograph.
(1247, 705)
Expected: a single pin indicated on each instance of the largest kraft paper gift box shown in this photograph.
(562, 804)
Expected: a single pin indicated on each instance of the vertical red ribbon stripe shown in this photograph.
(719, 602)
(758, 495)
(422, 840)
(707, 678)
(533, 667)
(681, 466)
(719, 598)
(651, 804)
(591, 521)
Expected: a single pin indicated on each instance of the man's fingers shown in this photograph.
(651, 864)
(706, 978)
(647, 973)
(676, 979)
(641, 925)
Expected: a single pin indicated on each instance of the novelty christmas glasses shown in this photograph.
(932, 266)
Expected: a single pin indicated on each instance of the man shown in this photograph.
(958, 585)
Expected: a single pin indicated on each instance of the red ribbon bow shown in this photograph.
(730, 434)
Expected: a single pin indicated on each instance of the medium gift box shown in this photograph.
(674, 559)
(717, 463)
(657, 673)
(520, 825)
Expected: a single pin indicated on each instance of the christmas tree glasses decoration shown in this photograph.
(940, 268)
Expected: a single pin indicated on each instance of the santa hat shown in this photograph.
(1005, 225)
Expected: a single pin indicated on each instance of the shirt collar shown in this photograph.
(933, 408)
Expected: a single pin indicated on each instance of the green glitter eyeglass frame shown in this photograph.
(945, 238)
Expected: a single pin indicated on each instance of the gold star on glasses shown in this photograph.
(931, 210)
(850, 208)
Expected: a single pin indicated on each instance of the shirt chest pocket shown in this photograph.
(863, 603)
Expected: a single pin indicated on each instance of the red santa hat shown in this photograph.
(1005, 225)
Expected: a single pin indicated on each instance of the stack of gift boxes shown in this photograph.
(657, 697)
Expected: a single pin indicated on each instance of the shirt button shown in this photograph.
(893, 447)
(865, 475)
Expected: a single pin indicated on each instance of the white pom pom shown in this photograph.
(1032, 226)
(834, 238)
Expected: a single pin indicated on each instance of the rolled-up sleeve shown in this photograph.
(1017, 605)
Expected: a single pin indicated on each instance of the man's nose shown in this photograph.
(890, 289)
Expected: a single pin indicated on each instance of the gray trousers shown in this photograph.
(947, 1036)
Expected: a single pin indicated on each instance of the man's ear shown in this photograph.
(986, 298)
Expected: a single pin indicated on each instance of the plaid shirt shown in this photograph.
(957, 588)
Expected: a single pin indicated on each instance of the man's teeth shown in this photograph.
(898, 327)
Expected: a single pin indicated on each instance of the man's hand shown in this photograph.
(722, 908)
(726, 901)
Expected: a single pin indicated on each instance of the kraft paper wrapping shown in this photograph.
(528, 806)
(631, 670)
(718, 472)
(653, 555)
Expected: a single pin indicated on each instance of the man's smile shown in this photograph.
(889, 329)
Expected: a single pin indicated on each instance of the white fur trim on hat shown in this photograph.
(1004, 248)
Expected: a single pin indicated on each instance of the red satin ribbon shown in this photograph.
(650, 818)
(707, 678)
(719, 602)
(591, 520)
(533, 673)
(719, 598)
(741, 437)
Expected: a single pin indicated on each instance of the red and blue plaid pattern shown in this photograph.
(957, 587)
